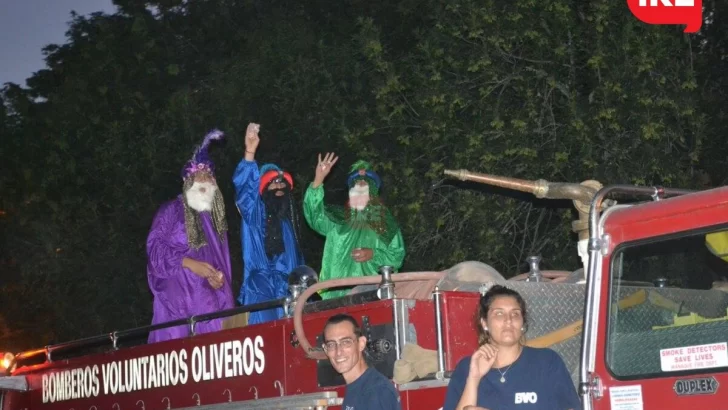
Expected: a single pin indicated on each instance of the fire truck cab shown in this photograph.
(642, 325)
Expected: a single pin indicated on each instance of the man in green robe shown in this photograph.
(361, 236)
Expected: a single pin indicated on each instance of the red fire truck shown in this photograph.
(642, 325)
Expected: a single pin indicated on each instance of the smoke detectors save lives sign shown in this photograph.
(694, 357)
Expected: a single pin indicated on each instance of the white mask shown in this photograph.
(197, 199)
(359, 197)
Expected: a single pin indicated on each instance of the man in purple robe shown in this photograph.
(189, 259)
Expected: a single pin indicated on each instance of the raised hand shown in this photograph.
(482, 361)
(251, 138)
(324, 167)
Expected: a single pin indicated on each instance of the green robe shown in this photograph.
(374, 228)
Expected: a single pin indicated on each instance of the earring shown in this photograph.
(485, 328)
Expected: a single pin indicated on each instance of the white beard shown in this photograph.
(201, 201)
(359, 197)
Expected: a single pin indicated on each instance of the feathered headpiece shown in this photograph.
(200, 160)
(363, 170)
(269, 172)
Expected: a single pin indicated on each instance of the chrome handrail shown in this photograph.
(114, 337)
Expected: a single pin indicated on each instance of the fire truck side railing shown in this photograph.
(440, 375)
(115, 337)
(294, 402)
(384, 291)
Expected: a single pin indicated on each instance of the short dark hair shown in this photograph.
(484, 306)
(340, 318)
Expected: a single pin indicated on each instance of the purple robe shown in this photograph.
(178, 292)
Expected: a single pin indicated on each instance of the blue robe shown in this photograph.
(264, 279)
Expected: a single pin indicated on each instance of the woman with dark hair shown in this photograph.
(504, 373)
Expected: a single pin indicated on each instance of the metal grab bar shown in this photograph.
(114, 337)
(317, 354)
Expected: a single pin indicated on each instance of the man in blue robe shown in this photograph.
(270, 230)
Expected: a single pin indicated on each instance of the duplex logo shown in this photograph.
(700, 385)
(530, 397)
(689, 12)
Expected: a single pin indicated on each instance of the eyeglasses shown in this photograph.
(332, 345)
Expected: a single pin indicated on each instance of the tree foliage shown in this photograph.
(562, 90)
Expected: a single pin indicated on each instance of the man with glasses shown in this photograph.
(366, 388)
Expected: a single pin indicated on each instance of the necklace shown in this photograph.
(503, 374)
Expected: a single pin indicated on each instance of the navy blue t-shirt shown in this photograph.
(538, 379)
(371, 391)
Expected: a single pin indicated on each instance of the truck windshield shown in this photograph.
(669, 306)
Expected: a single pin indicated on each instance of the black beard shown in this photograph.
(276, 205)
(277, 209)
